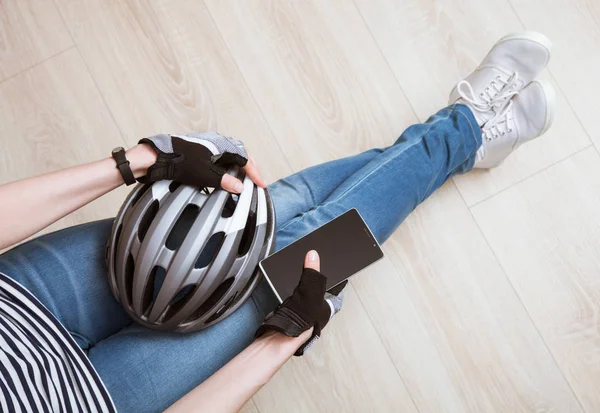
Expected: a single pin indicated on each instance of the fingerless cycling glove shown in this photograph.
(199, 158)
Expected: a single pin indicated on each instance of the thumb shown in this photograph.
(312, 261)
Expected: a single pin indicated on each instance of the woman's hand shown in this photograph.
(290, 328)
(200, 159)
(310, 306)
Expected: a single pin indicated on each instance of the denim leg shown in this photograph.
(402, 176)
(146, 371)
(304, 190)
(66, 271)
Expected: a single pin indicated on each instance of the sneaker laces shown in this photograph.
(493, 97)
(499, 125)
(496, 127)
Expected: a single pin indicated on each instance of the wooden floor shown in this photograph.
(489, 297)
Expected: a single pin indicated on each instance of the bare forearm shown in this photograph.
(235, 383)
(30, 205)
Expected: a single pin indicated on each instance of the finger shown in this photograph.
(252, 170)
(231, 184)
(312, 261)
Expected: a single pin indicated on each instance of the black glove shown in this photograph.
(198, 159)
(309, 306)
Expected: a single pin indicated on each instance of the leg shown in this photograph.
(400, 177)
(424, 157)
(147, 371)
(65, 270)
(304, 190)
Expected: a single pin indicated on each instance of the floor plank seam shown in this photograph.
(383, 344)
(530, 176)
(91, 75)
(238, 68)
(37, 64)
(385, 59)
(537, 330)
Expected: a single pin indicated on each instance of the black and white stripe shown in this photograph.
(41, 367)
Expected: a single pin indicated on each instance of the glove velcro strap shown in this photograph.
(284, 321)
(288, 323)
(165, 167)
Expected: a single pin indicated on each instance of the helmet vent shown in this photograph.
(221, 310)
(115, 244)
(212, 300)
(182, 226)
(139, 194)
(210, 250)
(230, 206)
(180, 299)
(155, 282)
(250, 229)
(147, 220)
(129, 270)
(173, 186)
(250, 283)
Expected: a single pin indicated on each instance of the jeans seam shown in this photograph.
(452, 108)
(333, 201)
(256, 306)
(427, 191)
(365, 177)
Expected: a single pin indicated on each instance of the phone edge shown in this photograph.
(264, 273)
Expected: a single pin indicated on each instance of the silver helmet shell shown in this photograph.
(181, 259)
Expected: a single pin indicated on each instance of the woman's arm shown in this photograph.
(306, 312)
(32, 204)
(235, 383)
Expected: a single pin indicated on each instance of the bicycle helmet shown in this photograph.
(182, 258)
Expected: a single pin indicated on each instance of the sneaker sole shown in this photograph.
(550, 94)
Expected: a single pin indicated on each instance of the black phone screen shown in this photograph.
(345, 246)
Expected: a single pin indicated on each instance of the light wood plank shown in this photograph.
(317, 75)
(574, 26)
(30, 31)
(52, 117)
(546, 234)
(162, 67)
(348, 370)
(453, 325)
(432, 44)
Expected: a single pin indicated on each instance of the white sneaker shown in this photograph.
(514, 61)
(525, 117)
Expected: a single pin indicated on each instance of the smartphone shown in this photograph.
(345, 245)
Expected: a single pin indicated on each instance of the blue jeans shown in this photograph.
(146, 370)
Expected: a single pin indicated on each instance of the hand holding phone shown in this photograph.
(346, 245)
(308, 307)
